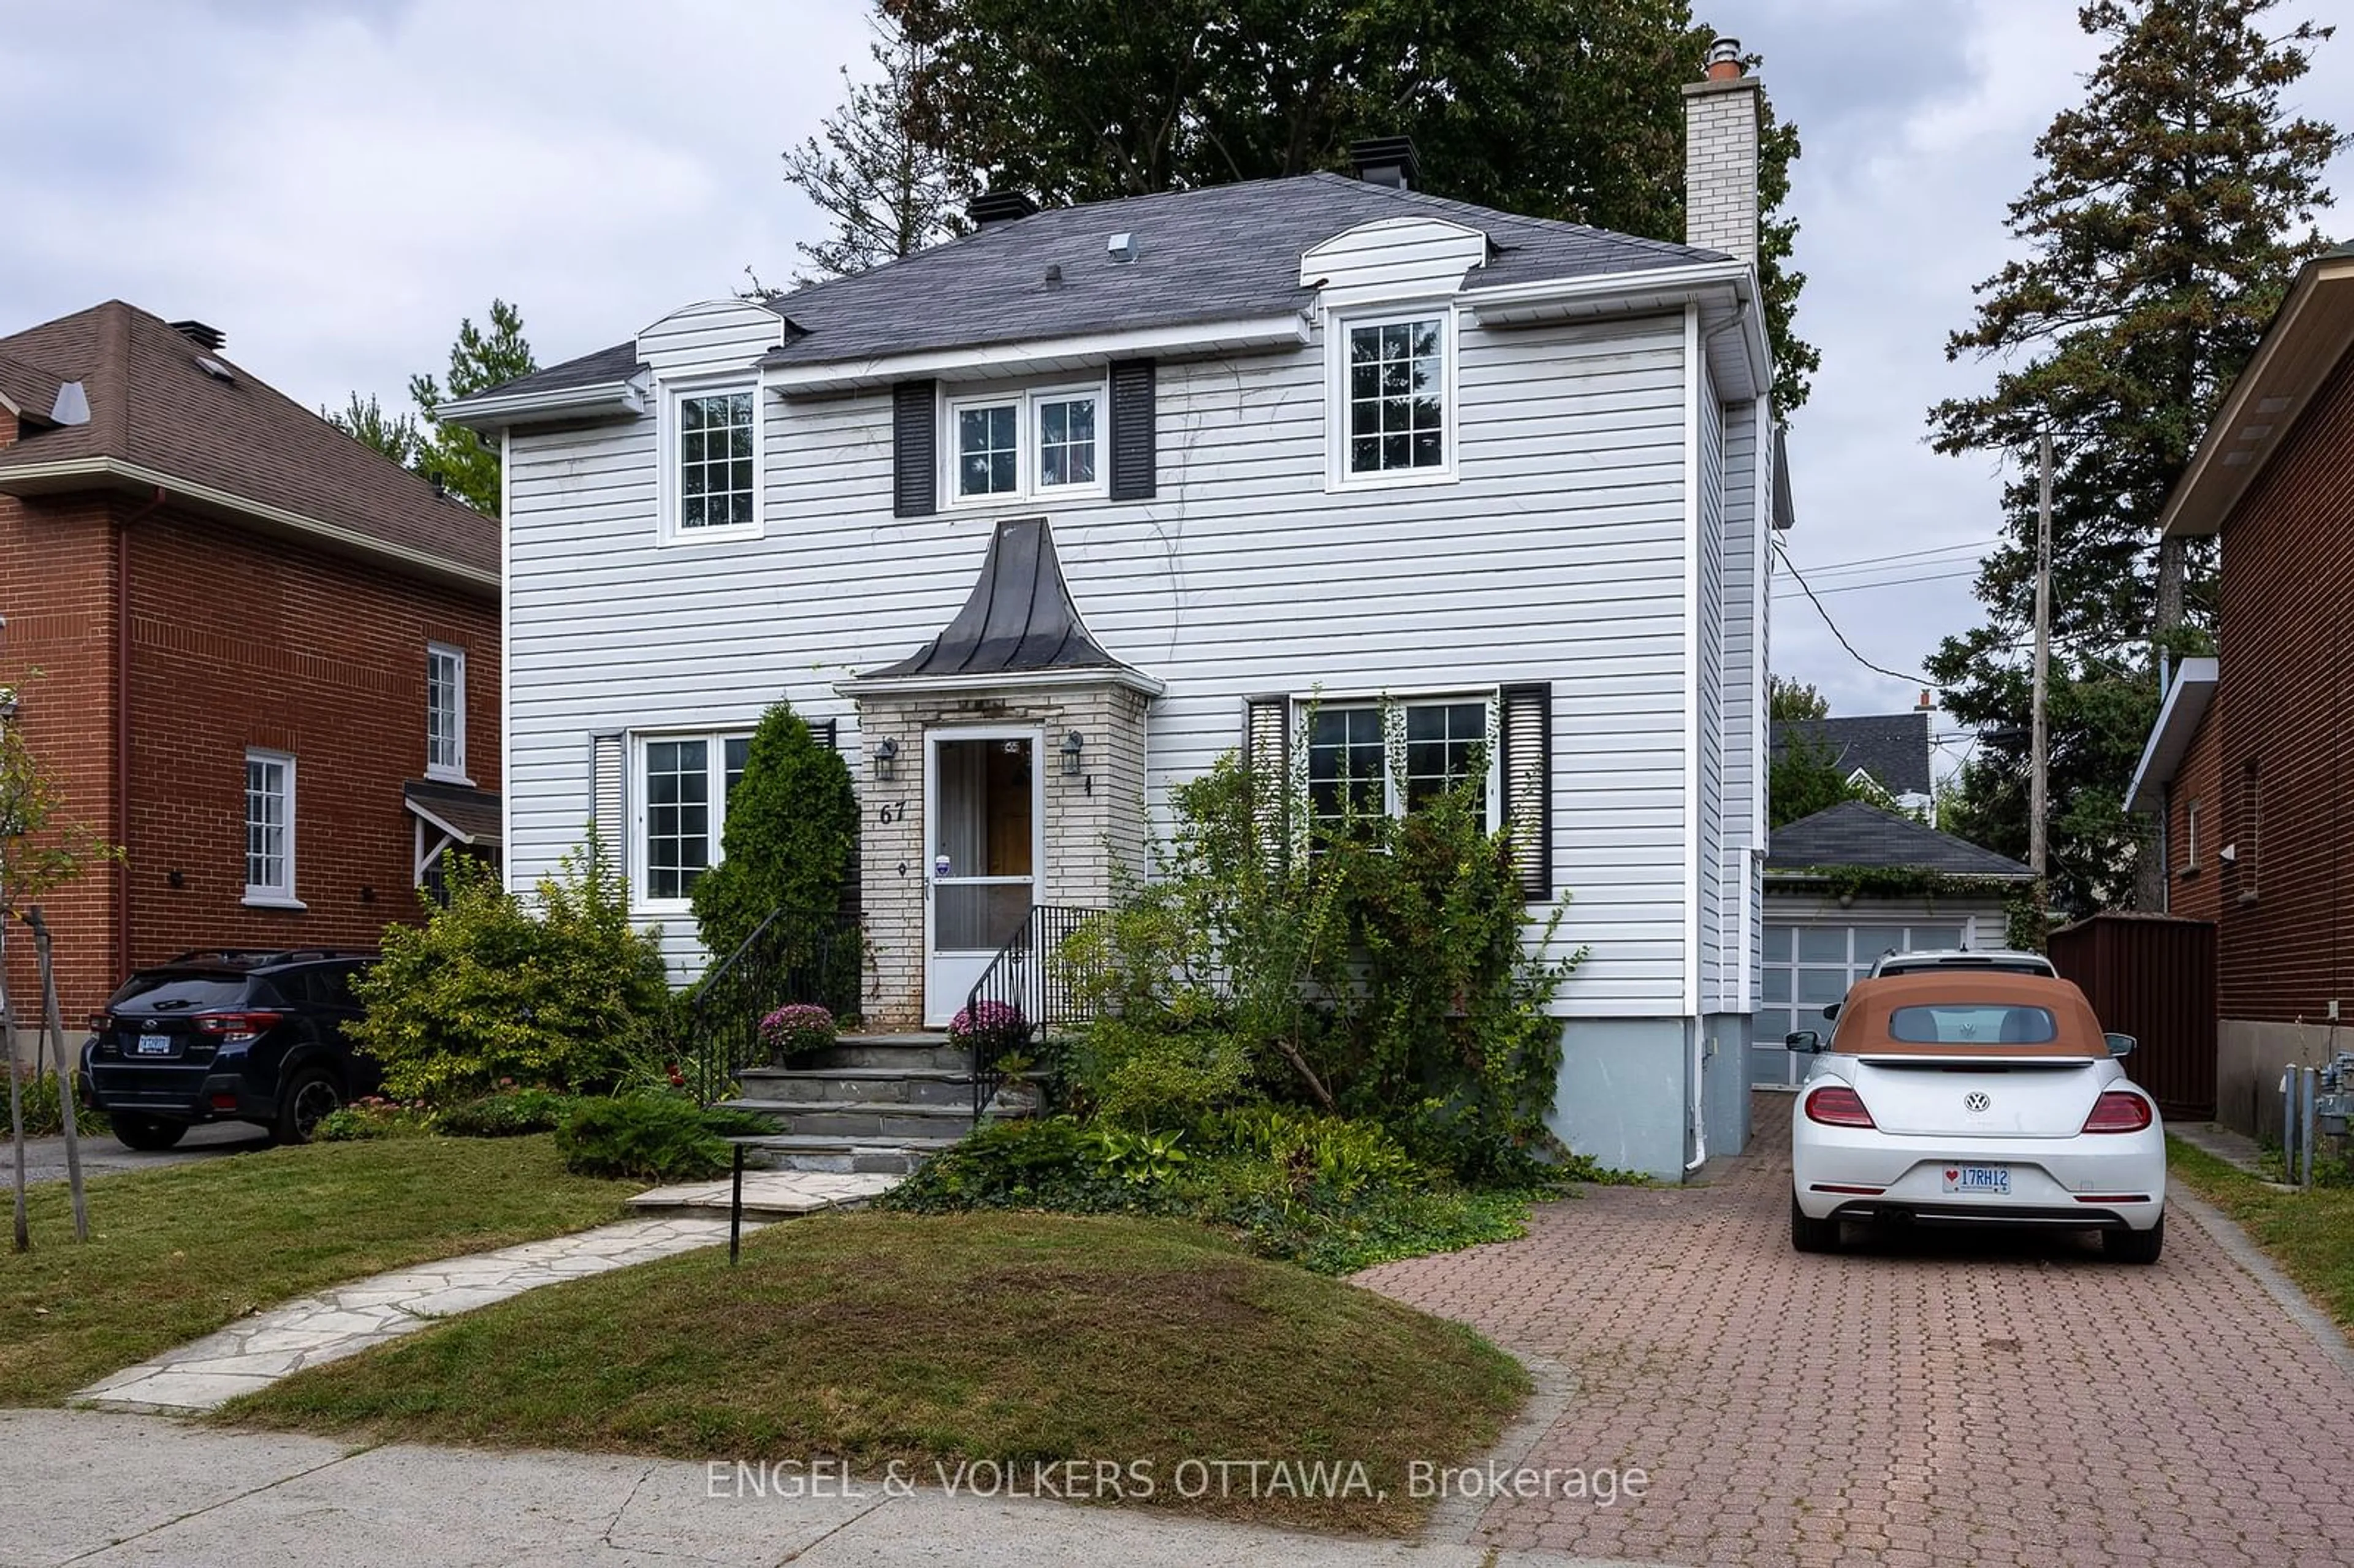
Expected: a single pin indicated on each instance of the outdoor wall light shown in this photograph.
(1073, 745)
(887, 760)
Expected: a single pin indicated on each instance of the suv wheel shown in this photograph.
(310, 1099)
(147, 1133)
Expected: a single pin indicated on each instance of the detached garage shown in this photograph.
(1849, 884)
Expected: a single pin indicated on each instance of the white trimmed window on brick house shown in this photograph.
(269, 830)
(445, 713)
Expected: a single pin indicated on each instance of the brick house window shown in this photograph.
(2190, 837)
(269, 829)
(445, 713)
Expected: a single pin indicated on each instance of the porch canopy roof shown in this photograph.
(1017, 627)
(468, 816)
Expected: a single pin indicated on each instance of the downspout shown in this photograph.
(122, 725)
(1698, 1110)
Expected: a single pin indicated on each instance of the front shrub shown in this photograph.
(791, 834)
(1137, 1077)
(509, 1113)
(369, 1119)
(557, 993)
(649, 1136)
(45, 1116)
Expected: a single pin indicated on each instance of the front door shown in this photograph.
(983, 800)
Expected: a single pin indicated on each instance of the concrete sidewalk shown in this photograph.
(101, 1489)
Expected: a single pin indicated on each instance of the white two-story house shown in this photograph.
(1040, 521)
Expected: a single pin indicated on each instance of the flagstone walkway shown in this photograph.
(260, 1349)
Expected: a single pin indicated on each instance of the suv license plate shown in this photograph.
(1993, 1178)
(155, 1045)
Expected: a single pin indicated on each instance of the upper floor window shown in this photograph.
(445, 712)
(1010, 446)
(269, 828)
(1367, 758)
(684, 782)
(711, 465)
(1392, 405)
(2190, 835)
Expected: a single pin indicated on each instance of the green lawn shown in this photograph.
(177, 1253)
(2309, 1235)
(877, 1338)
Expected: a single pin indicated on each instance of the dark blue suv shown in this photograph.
(229, 1036)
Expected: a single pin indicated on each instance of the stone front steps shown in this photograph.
(871, 1104)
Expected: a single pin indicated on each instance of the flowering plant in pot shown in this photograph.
(797, 1028)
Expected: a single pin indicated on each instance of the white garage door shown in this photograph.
(1808, 967)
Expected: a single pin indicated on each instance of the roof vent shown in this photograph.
(1387, 161)
(992, 207)
(1053, 275)
(72, 407)
(215, 368)
(207, 338)
(1122, 247)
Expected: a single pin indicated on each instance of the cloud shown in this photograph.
(334, 187)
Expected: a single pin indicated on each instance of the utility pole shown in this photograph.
(2040, 761)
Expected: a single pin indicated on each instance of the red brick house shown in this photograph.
(268, 658)
(2247, 763)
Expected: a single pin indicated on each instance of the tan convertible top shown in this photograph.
(1863, 1017)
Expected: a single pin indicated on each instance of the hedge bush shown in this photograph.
(649, 1136)
(558, 993)
(791, 834)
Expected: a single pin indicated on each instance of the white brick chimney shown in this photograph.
(1721, 156)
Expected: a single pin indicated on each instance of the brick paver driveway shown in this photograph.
(1953, 1399)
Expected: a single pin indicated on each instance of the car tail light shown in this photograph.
(2117, 1111)
(238, 1028)
(100, 1022)
(1836, 1105)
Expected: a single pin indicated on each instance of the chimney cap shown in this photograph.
(1724, 60)
(1387, 161)
(208, 338)
(994, 206)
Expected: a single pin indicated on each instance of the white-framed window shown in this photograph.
(683, 782)
(445, 713)
(2190, 832)
(1012, 446)
(1390, 396)
(711, 462)
(269, 829)
(1393, 755)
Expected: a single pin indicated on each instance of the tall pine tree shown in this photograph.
(477, 360)
(2170, 210)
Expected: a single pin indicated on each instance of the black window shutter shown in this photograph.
(1266, 756)
(1524, 723)
(915, 449)
(1134, 451)
(828, 733)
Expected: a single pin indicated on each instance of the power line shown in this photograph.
(1830, 567)
(1893, 582)
(1875, 669)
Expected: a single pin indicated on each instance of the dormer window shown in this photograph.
(1391, 400)
(1013, 446)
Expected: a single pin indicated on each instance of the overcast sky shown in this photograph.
(335, 185)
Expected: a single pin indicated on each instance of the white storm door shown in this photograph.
(983, 804)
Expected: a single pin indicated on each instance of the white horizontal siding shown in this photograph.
(1392, 258)
(1557, 555)
(718, 334)
(1744, 677)
(1709, 627)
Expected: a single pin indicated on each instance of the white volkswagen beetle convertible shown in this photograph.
(1955, 1097)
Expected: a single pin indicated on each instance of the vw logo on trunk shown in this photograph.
(1976, 1100)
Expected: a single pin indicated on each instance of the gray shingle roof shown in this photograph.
(1220, 252)
(1854, 832)
(1892, 747)
(1018, 619)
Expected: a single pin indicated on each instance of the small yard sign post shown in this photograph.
(65, 1069)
